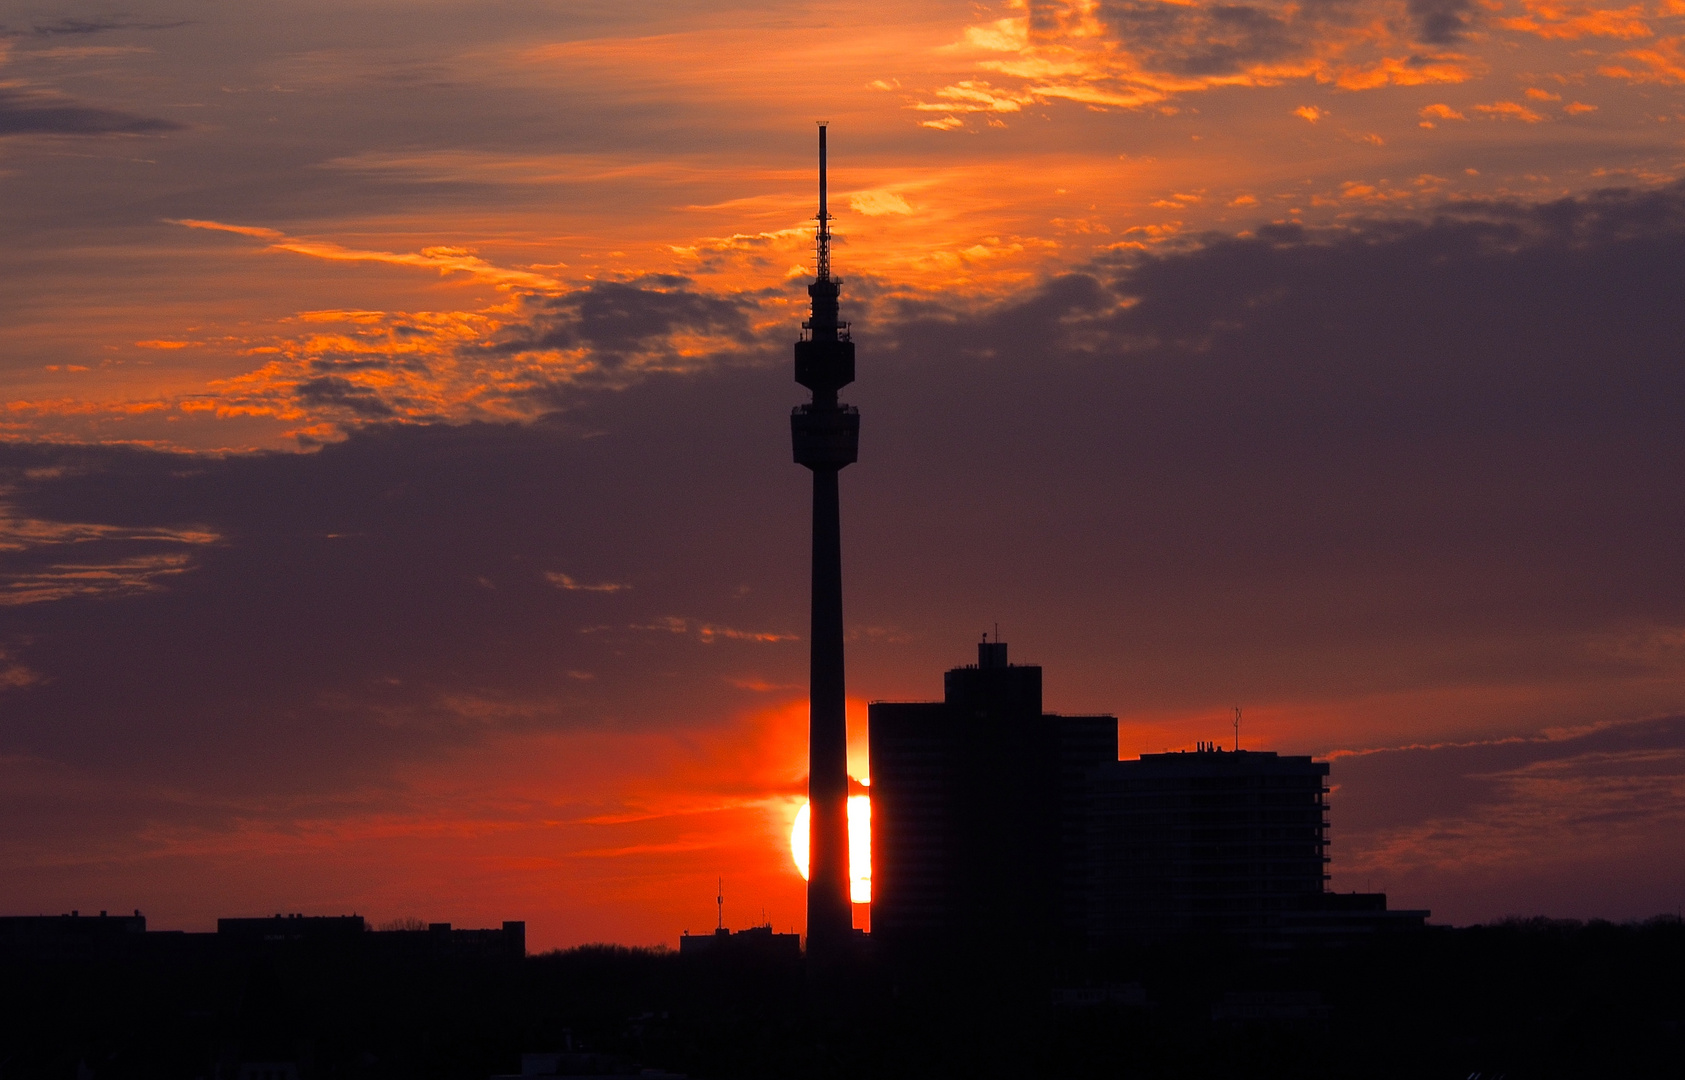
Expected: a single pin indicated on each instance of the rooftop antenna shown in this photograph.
(1237, 729)
(719, 902)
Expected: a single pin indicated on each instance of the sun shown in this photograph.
(859, 846)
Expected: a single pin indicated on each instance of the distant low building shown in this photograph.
(759, 941)
(313, 930)
(76, 936)
(438, 941)
(442, 941)
(70, 935)
(578, 1065)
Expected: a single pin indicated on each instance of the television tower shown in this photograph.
(826, 436)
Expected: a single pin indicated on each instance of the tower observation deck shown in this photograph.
(826, 435)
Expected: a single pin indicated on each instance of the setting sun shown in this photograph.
(859, 846)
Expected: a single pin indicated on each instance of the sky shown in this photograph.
(396, 505)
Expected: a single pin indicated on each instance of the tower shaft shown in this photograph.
(825, 434)
(830, 918)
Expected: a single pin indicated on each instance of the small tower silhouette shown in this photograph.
(826, 436)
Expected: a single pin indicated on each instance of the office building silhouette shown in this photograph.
(1208, 840)
(979, 806)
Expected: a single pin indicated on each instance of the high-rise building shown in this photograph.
(826, 437)
(1215, 841)
(1209, 840)
(978, 809)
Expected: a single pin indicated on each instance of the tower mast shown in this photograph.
(826, 435)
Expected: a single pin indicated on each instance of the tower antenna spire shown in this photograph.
(823, 238)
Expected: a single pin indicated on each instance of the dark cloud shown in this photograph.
(1410, 461)
(1196, 40)
(1213, 40)
(1585, 823)
(1441, 22)
(79, 27)
(617, 320)
(25, 112)
(1387, 789)
(339, 392)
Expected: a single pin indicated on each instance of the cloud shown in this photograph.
(562, 581)
(1213, 40)
(1135, 53)
(80, 27)
(1441, 22)
(1664, 63)
(877, 202)
(1502, 826)
(444, 259)
(1509, 110)
(25, 111)
(60, 581)
(1554, 20)
(654, 326)
(337, 393)
(50, 560)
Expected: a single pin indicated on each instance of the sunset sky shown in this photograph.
(396, 505)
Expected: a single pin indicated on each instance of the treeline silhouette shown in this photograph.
(1518, 999)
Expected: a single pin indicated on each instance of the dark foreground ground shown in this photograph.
(1518, 1000)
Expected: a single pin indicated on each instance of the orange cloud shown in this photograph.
(1074, 50)
(1441, 112)
(1569, 22)
(1665, 63)
(1509, 110)
(445, 260)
